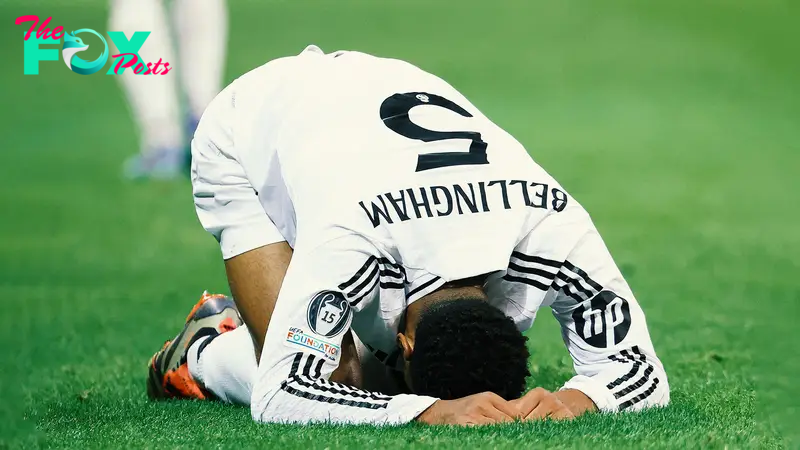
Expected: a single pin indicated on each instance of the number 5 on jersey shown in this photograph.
(394, 113)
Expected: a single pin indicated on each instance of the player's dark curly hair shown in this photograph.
(467, 346)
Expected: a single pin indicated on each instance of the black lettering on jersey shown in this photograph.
(377, 212)
(540, 194)
(604, 320)
(524, 186)
(394, 114)
(503, 191)
(559, 200)
(448, 200)
(460, 198)
(399, 205)
(424, 203)
(470, 201)
(484, 202)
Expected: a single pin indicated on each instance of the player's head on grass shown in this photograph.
(457, 344)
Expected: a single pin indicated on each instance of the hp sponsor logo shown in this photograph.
(604, 320)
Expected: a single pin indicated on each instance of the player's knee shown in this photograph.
(255, 412)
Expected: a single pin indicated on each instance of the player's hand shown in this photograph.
(539, 404)
(478, 409)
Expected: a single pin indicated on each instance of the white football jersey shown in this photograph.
(388, 183)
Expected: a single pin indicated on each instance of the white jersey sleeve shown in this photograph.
(605, 331)
(226, 203)
(324, 286)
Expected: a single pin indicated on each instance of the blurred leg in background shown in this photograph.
(202, 34)
(192, 36)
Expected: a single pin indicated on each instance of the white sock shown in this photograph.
(227, 365)
(153, 99)
(202, 35)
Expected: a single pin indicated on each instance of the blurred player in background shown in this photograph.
(192, 36)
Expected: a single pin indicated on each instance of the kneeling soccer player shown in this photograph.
(352, 193)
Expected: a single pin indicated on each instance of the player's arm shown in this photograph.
(606, 335)
(322, 289)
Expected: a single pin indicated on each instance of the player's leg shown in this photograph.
(201, 31)
(225, 366)
(168, 373)
(200, 360)
(211, 358)
(153, 99)
(255, 279)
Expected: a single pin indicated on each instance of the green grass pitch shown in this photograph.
(675, 122)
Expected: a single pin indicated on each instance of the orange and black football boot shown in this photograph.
(168, 372)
